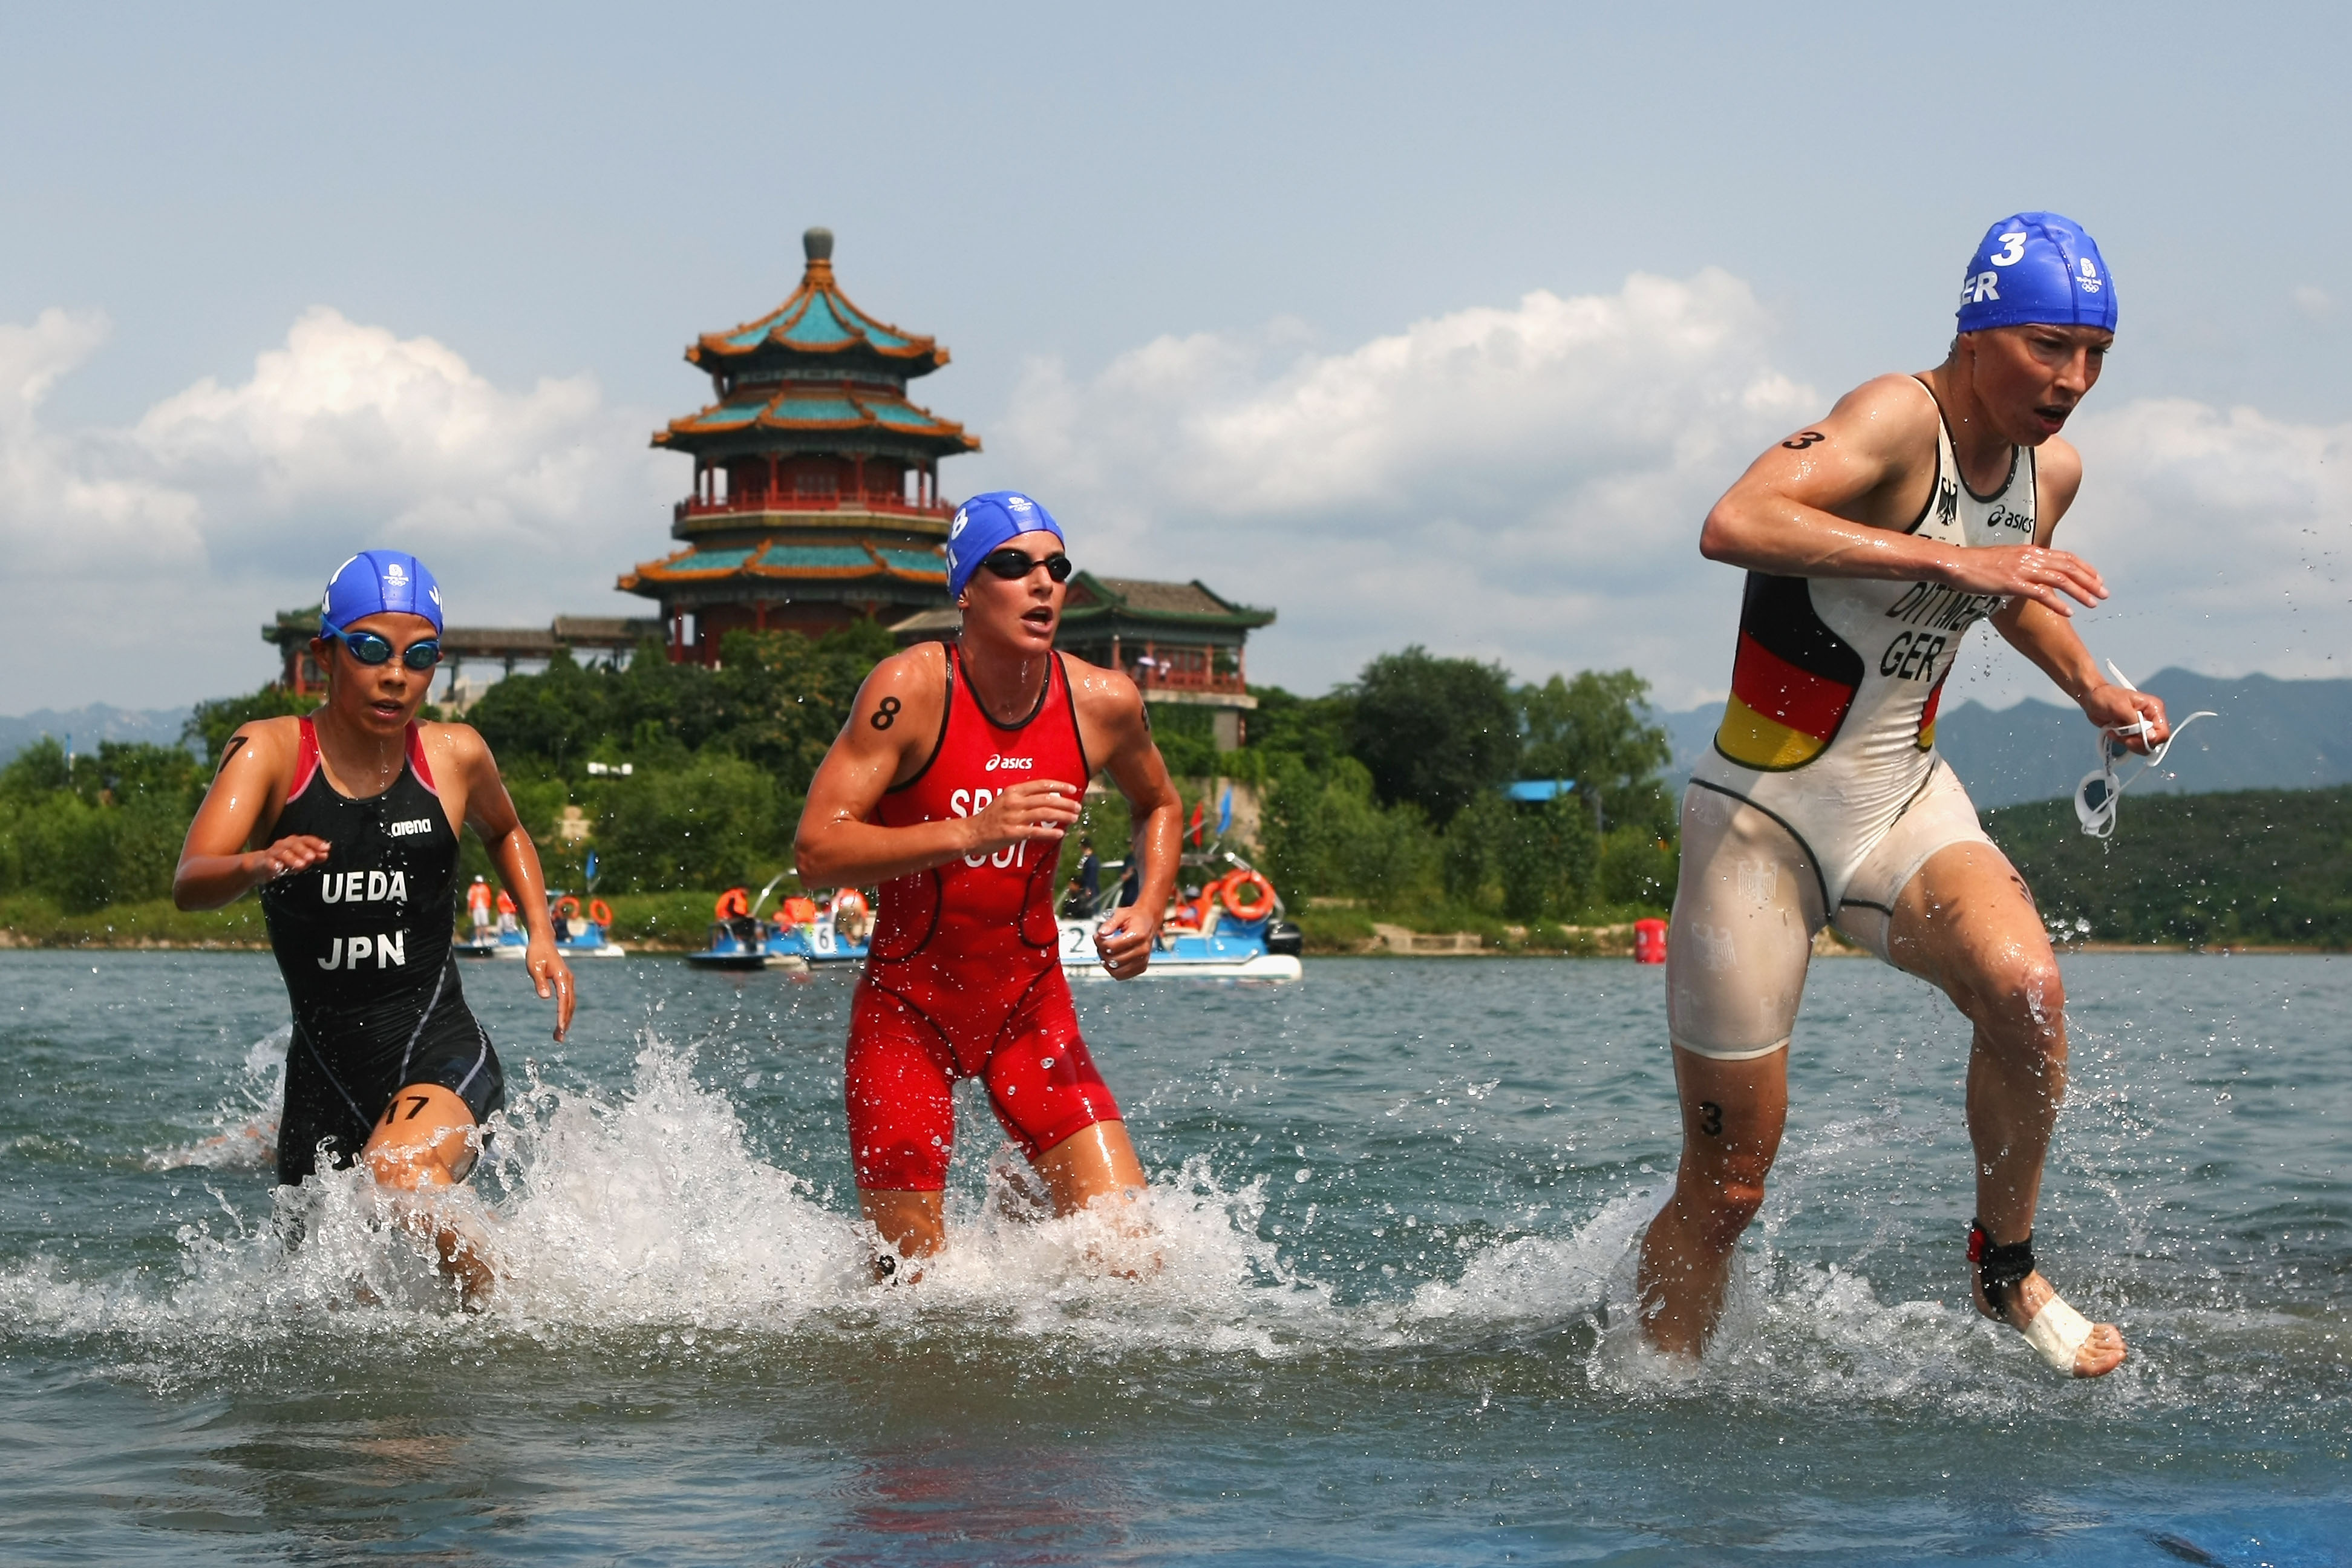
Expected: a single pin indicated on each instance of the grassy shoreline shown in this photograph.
(678, 923)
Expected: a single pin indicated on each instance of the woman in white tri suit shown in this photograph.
(1873, 541)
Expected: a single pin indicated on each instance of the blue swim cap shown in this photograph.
(374, 581)
(986, 521)
(2041, 268)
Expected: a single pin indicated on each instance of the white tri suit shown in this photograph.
(1823, 796)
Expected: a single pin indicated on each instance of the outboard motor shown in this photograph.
(1284, 938)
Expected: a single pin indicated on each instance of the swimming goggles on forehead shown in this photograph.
(370, 649)
(2095, 797)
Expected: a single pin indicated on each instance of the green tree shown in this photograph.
(1547, 860)
(211, 724)
(708, 825)
(1638, 866)
(1597, 729)
(1316, 730)
(105, 828)
(1473, 848)
(554, 718)
(1328, 834)
(1434, 732)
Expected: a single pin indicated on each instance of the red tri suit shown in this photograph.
(964, 976)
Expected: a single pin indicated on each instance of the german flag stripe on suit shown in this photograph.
(1926, 736)
(1792, 682)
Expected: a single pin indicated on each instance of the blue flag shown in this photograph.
(1225, 812)
(591, 867)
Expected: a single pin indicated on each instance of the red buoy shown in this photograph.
(1650, 942)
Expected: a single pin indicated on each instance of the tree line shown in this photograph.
(1385, 791)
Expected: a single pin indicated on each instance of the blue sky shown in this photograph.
(1328, 306)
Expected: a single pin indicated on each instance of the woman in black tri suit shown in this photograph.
(348, 822)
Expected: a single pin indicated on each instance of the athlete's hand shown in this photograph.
(1032, 810)
(553, 977)
(2047, 576)
(298, 852)
(1125, 940)
(2118, 708)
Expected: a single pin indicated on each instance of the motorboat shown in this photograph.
(1231, 928)
(581, 932)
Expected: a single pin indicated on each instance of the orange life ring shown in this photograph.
(1256, 910)
(734, 901)
(567, 908)
(850, 902)
(600, 913)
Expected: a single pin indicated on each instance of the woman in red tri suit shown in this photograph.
(951, 785)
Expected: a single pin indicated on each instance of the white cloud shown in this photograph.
(1528, 484)
(2222, 535)
(71, 508)
(223, 503)
(1521, 484)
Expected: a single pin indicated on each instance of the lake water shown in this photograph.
(1387, 1323)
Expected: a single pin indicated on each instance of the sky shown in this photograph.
(1419, 325)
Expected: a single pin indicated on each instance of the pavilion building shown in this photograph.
(816, 502)
(817, 496)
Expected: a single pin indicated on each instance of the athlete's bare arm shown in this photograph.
(1834, 499)
(476, 796)
(893, 728)
(1113, 730)
(221, 861)
(2051, 642)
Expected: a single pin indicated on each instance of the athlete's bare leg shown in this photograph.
(911, 1224)
(426, 1140)
(1733, 1113)
(1098, 1161)
(1966, 923)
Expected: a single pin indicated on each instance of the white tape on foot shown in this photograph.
(2057, 1332)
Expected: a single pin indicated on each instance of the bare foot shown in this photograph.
(2097, 1356)
(463, 1247)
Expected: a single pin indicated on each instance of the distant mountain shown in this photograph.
(88, 726)
(2269, 734)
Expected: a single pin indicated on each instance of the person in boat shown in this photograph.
(1085, 888)
(480, 912)
(1873, 541)
(347, 821)
(951, 785)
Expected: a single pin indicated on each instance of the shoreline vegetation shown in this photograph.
(1378, 809)
(674, 923)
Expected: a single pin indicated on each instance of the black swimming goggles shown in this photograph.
(370, 649)
(1013, 565)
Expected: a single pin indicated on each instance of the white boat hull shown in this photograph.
(1191, 958)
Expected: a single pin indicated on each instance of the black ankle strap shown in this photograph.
(2000, 1267)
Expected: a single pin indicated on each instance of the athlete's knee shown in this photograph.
(2022, 999)
(1721, 1200)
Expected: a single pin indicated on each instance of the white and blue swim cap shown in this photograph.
(374, 581)
(2037, 267)
(986, 523)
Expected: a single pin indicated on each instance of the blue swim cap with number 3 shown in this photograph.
(2037, 267)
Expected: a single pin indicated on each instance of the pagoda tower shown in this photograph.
(817, 495)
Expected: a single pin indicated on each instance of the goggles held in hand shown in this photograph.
(2096, 797)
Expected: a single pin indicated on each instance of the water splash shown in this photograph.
(245, 1118)
(651, 1209)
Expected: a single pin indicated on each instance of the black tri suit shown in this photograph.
(362, 939)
